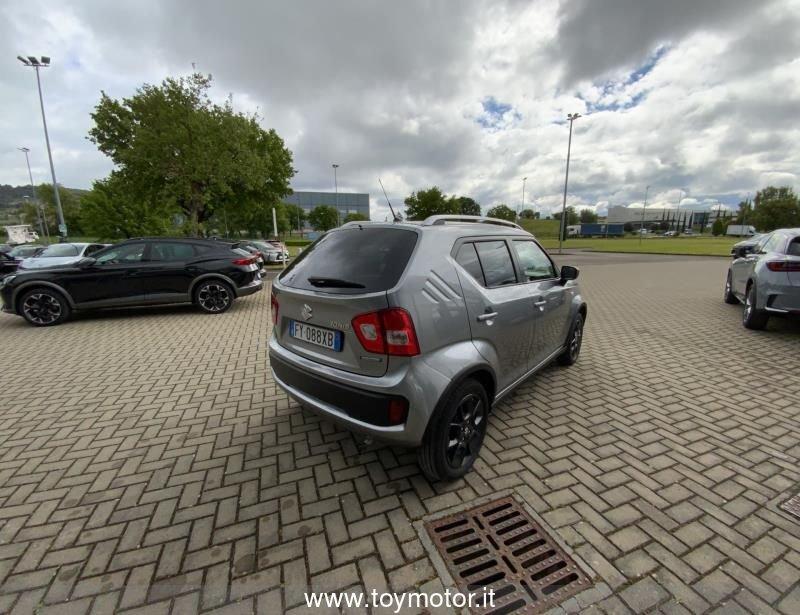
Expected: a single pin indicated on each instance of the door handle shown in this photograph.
(540, 303)
(487, 316)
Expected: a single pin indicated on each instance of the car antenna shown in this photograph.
(395, 217)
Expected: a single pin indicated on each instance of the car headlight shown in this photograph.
(6, 280)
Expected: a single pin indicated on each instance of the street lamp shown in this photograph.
(336, 188)
(641, 226)
(571, 117)
(524, 179)
(25, 151)
(36, 64)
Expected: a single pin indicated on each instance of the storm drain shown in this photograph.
(498, 546)
(792, 505)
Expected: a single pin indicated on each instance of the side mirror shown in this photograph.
(568, 272)
(86, 261)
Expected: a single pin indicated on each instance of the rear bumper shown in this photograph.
(254, 286)
(785, 301)
(359, 403)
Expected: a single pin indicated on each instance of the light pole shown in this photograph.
(522, 208)
(38, 63)
(336, 188)
(25, 151)
(563, 229)
(641, 226)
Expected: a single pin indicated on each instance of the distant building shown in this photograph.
(622, 214)
(345, 202)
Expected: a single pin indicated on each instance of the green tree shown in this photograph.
(502, 211)
(109, 211)
(356, 217)
(296, 215)
(430, 202)
(587, 216)
(70, 205)
(466, 206)
(627, 227)
(775, 207)
(745, 213)
(172, 144)
(528, 214)
(323, 217)
(572, 215)
(719, 227)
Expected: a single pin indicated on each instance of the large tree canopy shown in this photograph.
(171, 144)
(775, 208)
(433, 201)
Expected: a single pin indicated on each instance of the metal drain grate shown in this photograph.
(792, 505)
(499, 546)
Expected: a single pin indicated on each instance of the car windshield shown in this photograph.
(60, 249)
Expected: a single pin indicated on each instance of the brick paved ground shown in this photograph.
(148, 463)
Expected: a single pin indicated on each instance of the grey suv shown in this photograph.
(410, 332)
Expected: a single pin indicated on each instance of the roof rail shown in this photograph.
(444, 219)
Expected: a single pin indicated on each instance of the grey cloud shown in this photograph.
(596, 37)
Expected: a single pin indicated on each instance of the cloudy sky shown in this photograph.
(471, 96)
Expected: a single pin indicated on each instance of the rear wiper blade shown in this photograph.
(333, 283)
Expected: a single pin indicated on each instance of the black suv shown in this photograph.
(210, 274)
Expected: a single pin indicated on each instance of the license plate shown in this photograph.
(319, 336)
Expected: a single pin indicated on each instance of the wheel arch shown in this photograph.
(212, 276)
(27, 286)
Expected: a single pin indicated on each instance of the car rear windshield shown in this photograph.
(354, 260)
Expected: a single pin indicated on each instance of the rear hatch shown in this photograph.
(342, 275)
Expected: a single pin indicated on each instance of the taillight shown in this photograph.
(273, 304)
(249, 260)
(783, 266)
(388, 331)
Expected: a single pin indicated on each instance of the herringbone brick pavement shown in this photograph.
(148, 463)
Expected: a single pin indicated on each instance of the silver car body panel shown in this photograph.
(444, 302)
(776, 291)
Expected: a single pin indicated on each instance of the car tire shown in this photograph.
(455, 433)
(753, 318)
(213, 296)
(574, 341)
(44, 307)
(729, 296)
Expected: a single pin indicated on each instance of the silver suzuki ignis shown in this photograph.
(410, 332)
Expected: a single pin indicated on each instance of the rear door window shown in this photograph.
(353, 261)
(498, 268)
(171, 252)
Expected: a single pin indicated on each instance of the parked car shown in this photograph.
(26, 250)
(272, 251)
(10, 261)
(745, 246)
(766, 278)
(61, 254)
(8, 264)
(411, 332)
(253, 249)
(670, 234)
(210, 274)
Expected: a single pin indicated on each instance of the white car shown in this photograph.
(61, 254)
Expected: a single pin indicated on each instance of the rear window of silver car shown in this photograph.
(352, 260)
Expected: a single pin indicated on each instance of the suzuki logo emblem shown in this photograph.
(307, 312)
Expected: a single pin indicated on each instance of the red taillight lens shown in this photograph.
(274, 309)
(387, 332)
(398, 409)
(783, 266)
(244, 261)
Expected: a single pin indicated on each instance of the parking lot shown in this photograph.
(147, 460)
